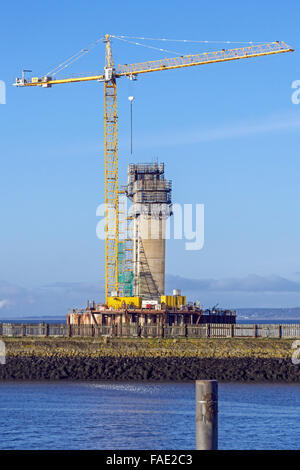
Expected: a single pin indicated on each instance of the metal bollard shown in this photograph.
(206, 415)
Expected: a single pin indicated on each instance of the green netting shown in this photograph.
(120, 247)
(125, 279)
(128, 291)
(128, 276)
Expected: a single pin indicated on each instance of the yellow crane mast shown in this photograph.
(110, 95)
(111, 175)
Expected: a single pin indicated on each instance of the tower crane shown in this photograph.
(109, 77)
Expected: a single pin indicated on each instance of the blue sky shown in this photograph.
(228, 134)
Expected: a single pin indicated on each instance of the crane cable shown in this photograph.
(66, 63)
(121, 38)
(73, 58)
(189, 40)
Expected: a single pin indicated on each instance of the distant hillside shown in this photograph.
(268, 313)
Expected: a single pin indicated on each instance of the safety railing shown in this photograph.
(133, 330)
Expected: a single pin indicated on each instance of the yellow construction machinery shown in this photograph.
(111, 73)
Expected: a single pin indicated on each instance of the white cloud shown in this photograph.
(55, 299)
(251, 284)
(283, 122)
(50, 300)
(263, 125)
(4, 303)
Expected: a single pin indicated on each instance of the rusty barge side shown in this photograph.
(100, 315)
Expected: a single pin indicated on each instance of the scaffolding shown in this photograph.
(150, 194)
(147, 185)
(125, 249)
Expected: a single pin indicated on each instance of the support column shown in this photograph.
(206, 415)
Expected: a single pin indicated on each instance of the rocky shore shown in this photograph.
(227, 360)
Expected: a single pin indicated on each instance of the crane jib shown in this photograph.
(203, 58)
(167, 64)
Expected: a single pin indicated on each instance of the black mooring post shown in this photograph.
(206, 415)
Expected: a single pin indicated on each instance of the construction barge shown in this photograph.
(149, 314)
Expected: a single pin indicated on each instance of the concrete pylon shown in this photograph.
(150, 193)
(152, 253)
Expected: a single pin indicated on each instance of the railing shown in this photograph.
(209, 330)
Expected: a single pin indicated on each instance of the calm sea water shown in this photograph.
(143, 416)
